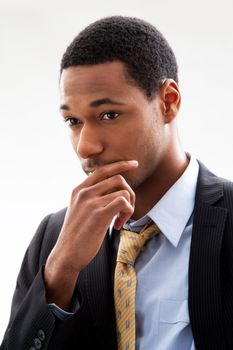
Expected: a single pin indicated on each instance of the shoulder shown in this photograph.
(55, 221)
(46, 235)
(208, 175)
(212, 188)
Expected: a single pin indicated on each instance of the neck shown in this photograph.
(152, 190)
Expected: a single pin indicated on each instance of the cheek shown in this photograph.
(148, 151)
(140, 142)
(149, 142)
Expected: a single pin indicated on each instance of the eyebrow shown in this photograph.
(97, 103)
(104, 101)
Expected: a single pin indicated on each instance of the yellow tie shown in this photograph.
(131, 244)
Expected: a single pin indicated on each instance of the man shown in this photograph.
(120, 99)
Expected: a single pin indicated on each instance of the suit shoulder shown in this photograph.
(227, 185)
(213, 189)
(228, 193)
(56, 220)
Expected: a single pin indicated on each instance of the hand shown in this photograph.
(93, 205)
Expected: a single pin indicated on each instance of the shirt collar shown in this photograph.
(174, 209)
(172, 212)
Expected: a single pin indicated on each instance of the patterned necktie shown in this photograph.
(131, 244)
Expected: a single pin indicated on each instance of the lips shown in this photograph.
(89, 171)
(90, 166)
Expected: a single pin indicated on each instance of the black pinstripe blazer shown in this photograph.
(32, 326)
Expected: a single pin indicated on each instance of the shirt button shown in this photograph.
(37, 343)
(41, 334)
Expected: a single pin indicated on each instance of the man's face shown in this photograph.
(111, 120)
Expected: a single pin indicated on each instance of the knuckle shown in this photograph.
(122, 200)
(125, 194)
(119, 179)
(76, 190)
(133, 196)
(83, 193)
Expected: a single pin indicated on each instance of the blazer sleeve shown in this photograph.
(31, 322)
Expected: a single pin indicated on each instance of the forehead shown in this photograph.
(106, 78)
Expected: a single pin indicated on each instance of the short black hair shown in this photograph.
(147, 56)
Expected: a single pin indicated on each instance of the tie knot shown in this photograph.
(132, 243)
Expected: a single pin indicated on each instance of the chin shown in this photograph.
(133, 181)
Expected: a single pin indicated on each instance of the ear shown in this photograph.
(169, 100)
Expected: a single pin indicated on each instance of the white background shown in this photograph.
(38, 168)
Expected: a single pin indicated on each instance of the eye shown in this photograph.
(72, 121)
(110, 116)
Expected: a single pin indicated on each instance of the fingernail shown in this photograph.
(133, 162)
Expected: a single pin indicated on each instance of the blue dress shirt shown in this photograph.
(162, 317)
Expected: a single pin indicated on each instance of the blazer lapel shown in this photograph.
(204, 267)
(95, 285)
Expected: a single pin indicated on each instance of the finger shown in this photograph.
(110, 170)
(122, 206)
(110, 185)
(108, 198)
(120, 220)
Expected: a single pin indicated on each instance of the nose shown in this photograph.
(89, 142)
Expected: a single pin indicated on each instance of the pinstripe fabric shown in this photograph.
(93, 326)
(131, 244)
